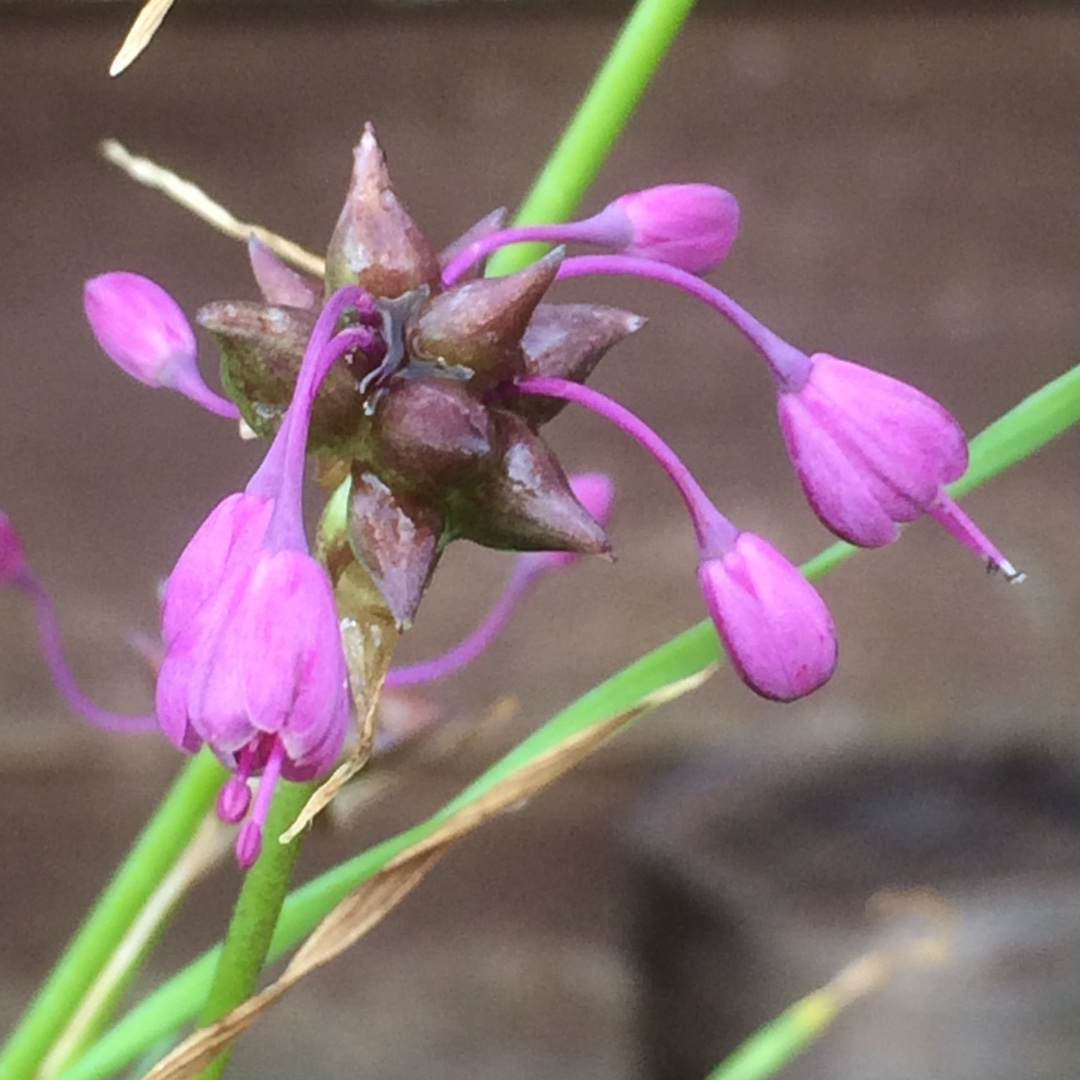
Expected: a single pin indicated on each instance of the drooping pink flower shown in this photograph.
(872, 452)
(774, 625)
(776, 628)
(262, 659)
(254, 666)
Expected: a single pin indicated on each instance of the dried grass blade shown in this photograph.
(193, 199)
(139, 36)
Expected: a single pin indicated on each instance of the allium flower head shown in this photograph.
(773, 623)
(433, 455)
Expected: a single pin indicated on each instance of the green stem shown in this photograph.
(255, 916)
(160, 844)
(598, 122)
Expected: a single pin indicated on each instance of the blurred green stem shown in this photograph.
(162, 841)
(598, 122)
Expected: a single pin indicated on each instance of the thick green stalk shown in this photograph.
(158, 846)
(255, 916)
(598, 122)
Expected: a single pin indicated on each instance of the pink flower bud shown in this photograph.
(12, 552)
(775, 627)
(141, 327)
(691, 226)
(871, 452)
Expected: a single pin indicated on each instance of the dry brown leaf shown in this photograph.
(139, 36)
(364, 909)
(193, 199)
(368, 639)
(374, 898)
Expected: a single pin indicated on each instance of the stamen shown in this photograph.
(233, 800)
(250, 839)
(948, 512)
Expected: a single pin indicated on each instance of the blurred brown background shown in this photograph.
(911, 199)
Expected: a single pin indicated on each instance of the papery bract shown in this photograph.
(774, 625)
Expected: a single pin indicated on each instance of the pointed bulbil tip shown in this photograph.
(396, 540)
(567, 341)
(480, 325)
(376, 243)
(526, 503)
(596, 493)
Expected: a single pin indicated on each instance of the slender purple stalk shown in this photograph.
(715, 534)
(571, 232)
(466, 651)
(285, 461)
(790, 367)
(52, 648)
(197, 391)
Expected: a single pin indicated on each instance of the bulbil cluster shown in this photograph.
(433, 456)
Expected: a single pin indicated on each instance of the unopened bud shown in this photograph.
(691, 226)
(141, 328)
